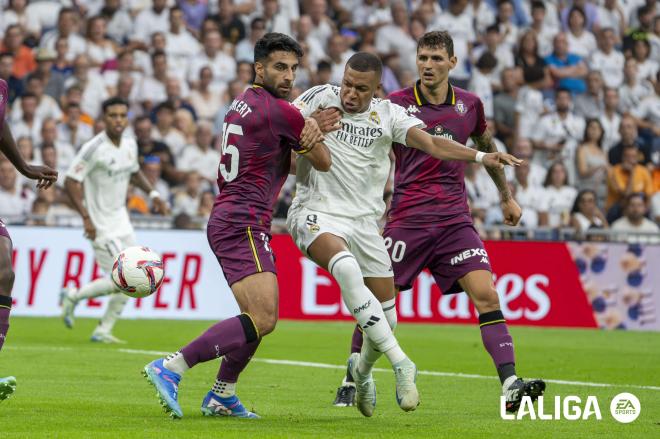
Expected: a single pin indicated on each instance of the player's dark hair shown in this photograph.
(487, 61)
(533, 73)
(116, 100)
(365, 62)
(437, 40)
(275, 42)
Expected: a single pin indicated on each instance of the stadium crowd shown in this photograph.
(572, 87)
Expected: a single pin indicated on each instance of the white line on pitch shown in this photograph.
(342, 367)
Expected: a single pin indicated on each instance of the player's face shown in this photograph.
(433, 65)
(278, 73)
(116, 120)
(357, 90)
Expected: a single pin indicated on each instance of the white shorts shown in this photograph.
(363, 237)
(106, 250)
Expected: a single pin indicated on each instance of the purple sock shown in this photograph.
(5, 309)
(234, 362)
(356, 342)
(498, 342)
(220, 339)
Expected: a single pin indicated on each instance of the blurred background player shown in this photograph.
(334, 217)
(97, 183)
(429, 222)
(259, 132)
(45, 177)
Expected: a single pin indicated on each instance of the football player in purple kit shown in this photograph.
(259, 132)
(429, 222)
(45, 177)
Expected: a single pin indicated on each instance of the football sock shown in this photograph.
(112, 312)
(364, 306)
(224, 389)
(99, 287)
(498, 343)
(356, 346)
(235, 361)
(369, 354)
(5, 310)
(176, 363)
(389, 309)
(220, 339)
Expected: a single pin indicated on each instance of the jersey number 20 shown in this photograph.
(228, 129)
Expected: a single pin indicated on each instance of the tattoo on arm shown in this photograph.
(485, 144)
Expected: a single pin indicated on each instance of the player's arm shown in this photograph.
(138, 179)
(311, 146)
(44, 175)
(74, 190)
(510, 208)
(446, 149)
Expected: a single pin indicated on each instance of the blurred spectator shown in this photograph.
(165, 131)
(607, 60)
(482, 193)
(557, 134)
(322, 26)
(566, 69)
(125, 66)
(29, 123)
(26, 148)
(544, 25)
(147, 146)
(647, 67)
(187, 199)
(644, 18)
(175, 96)
(647, 114)
(629, 137)
(234, 89)
(611, 15)
(527, 54)
(100, 49)
(6, 73)
(208, 97)
(589, 12)
(502, 54)
(62, 62)
(480, 83)
(14, 200)
(64, 151)
(484, 15)
(154, 19)
(504, 106)
(180, 44)
(91, 84)
(72, 130)
(580, 40)
(18, 13)
(530, 197)
(201, 156)
(245, 48)
(523, 149)
(46, 105)
(626, 178)
(395, 38)
(529, 102)
(53, 82)
(458, 23)
(24, 62)
(206, 204)
(119, 22)
(633, 90)
(222, 65)
(194, 12)
(508, 22)
(152, 169)
(152, 89)
(635, 221)
(274, 18)
(185, 124)
(592, 164)
(590, 104)
(338, 56)
(585, 214)
(559, 196)
(315, 50)
(67, 28)
(610, 119)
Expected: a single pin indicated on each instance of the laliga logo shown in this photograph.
(625, 408)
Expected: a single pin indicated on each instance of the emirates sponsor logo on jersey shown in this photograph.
(356, 135)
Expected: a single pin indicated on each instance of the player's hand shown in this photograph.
(90, 230)
(44, 175)
(311, 134)
(498, 160)
(160, 206)
(511, 212)
(327, 119)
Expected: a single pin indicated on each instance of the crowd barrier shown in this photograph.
(588, 285)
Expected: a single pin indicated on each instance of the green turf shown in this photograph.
(68, 387)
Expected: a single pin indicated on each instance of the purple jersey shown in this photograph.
(427, 190)
(258, 133)
(4, 98)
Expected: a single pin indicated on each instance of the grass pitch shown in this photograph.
(69, 387)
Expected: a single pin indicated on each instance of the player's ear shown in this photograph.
(259, 69)
(452, 62)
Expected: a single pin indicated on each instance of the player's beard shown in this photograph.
(275, 90)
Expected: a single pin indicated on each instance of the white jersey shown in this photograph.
(360, 156)
(105, 171)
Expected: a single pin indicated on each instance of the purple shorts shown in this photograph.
(3, 230)
(241, 250)
(449, 252)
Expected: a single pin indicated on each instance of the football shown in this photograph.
(138, 271)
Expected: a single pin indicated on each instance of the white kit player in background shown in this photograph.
(334, 217)
(97, 183)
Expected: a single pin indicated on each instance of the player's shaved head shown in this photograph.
(365, 62)
(437, 40)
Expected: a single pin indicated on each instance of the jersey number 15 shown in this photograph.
(228, 129)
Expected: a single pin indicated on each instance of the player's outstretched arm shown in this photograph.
(139, 180)
(442, 148)
(74, 189)
(44, 175)
(510, 208)
(312, 146)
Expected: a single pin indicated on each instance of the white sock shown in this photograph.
(224, 389)
(113, 311)
(364, 306)
(176, 363)
(369, 355)
(99, 287)
(389, 309)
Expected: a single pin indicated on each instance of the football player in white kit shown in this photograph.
(334, 217)
(97, 183)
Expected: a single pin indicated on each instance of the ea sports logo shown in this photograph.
(625, 407)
